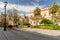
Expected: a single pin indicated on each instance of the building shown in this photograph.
(9, 20)
(44, 14)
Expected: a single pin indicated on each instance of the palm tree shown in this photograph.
(37, 14)
(53, 9)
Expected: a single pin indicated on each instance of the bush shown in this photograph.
(48, 24)
(46, 21)
(24, 25)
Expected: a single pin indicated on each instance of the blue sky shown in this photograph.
(27, 5)
(30, 2)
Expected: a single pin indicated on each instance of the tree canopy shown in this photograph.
(14, 14)
(53, 8)
(37, 11)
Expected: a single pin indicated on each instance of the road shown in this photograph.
(24, 35)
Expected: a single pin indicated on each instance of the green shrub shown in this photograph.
(22, 26)
(46, 21)
(25, 23)
(31, 26)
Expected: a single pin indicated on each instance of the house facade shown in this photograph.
(44, 14)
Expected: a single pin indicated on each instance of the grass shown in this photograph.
(51, 27)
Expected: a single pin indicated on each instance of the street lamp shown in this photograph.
(5, 16)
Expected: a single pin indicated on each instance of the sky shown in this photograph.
(26, 6)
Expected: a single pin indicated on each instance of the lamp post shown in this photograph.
(5, 16)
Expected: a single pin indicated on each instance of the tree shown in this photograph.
(15, 16)
(37, 14)
(26, 18)
(10, 12)
(53, 9)
(13, 13)
(37, 11)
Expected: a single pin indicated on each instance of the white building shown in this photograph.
(44, 14)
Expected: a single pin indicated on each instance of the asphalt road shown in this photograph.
(24, 35)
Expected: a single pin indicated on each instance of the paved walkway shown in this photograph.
(43, 31)
(2, 35)
(24, 35)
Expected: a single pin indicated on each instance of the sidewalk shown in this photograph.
(2, 35)
(43, 31)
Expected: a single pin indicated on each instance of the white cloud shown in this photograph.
(1, 5)
(20, 7)
(26, 8)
